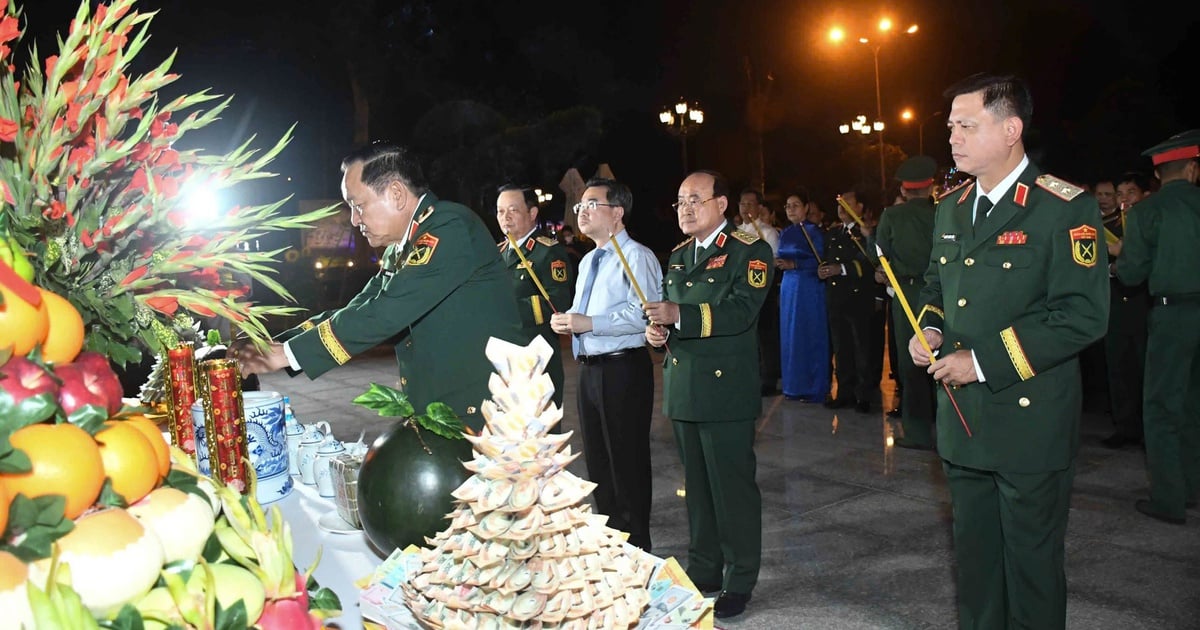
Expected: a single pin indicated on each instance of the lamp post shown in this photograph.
(860, 127)
(682, 120)
(836, 35)
(908, 115)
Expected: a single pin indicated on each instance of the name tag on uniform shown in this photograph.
(950, 237)
(676, 268)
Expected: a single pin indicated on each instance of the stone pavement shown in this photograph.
(856, 534)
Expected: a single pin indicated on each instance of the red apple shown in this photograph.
(23, 378)
(109, 383)
(80, 387)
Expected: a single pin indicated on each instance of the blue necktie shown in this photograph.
(587, 293)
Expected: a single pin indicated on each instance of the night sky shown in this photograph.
(1109, 79)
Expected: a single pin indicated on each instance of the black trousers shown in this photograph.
(768, 341)
(852, 337)
(616, 400)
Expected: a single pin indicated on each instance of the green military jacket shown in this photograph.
(552, 265)
(710, 372)
(905, 233)
(1026, 292)
(1160, 245)
(441, 296)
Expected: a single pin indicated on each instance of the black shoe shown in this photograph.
(863, 407)
(839, 403)
(1145, 507)
(708, 589)
(730, 605)
(895, 414)
(1118, 440)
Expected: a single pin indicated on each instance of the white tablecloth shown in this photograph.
(345, 558)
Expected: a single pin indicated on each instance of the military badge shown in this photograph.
(558, 270)
(1083, 245)
(716, 262)
(422, 250)
(756, 274)
(676, 267)
(1021, 195)
(720, 240)
(1012, 238)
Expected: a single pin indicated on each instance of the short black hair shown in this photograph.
(531, 200)
(1137, 178)
(1003, 94)
(758, 196)
(618, 193)
(720, 184)
(385, 162)
(800, 193)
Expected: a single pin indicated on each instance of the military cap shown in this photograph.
(917, 172)
(1181, 146)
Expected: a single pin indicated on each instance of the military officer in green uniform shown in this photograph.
(714, 287)
(440, 273)
(1160, 247)
(850, 293)
(1016, 287)
(541, 260)
(905, 234)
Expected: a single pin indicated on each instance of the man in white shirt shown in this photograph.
(616, 381)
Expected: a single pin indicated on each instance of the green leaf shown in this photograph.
(32, 410)
(442, 420)
(185, 482)
(232, 618)
(386, 400)
(128, 618)
(36, 524)
(110, 497)
(90, 418)
(12, 460)
(324, 600)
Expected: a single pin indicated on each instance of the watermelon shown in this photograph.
(404, 491)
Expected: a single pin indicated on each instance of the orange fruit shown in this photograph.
(66, 461)
(22, 326)
(162, 452)
(64, 336)
(129, 460)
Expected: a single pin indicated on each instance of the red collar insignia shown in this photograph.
(721, 239)
(1021, 195)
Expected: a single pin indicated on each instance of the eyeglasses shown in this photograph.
(591, 206)
(691, 204)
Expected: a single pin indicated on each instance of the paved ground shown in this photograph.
(856, 533)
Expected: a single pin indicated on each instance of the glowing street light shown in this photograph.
(908, 116)
(836, 35)
(682, 120)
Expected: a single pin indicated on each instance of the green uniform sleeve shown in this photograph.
(1133, 265)
(736, 310)
(438, 264)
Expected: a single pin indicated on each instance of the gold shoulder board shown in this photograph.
(547, 241)
(745, 237)
(684, 244)
(957, 188)
(1059, 187)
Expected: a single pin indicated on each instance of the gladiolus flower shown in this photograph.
(137, 272)
(55, 211)
(164, 304)
(8, 129)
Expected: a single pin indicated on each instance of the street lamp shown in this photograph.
(860, 127)
(908, 115)
(682, 120)
(837, 35)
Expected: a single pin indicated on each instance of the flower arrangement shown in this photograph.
(93, 189)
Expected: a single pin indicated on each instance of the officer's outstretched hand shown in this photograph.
(919, 355)
(253, 361)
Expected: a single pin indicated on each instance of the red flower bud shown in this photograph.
(137, 272)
